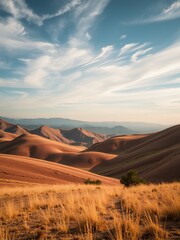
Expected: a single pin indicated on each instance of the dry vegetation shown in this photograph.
(90, 212)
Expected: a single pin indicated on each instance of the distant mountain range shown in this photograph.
(109, 128)
(75, 136)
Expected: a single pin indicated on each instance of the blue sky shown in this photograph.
(110, 60)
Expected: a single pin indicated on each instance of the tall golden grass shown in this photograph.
(89, 212)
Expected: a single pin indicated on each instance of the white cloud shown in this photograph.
(37, 71)
(103, 56)
(19, 9)
(127, 47)
(106, 51)
(11, 28)
(88, 36)
(86, 13)
(68, 7)
(73, 75)
(169, 13)
(111, 85)
(9, 83)
(176, 80)
(139, 53)
(172, 12)
(21, 93)
(123, 37)
(13, 37)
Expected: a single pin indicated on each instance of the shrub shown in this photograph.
(132, 178)
(89, 181)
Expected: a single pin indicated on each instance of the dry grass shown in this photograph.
(90, 212)
(4, 234)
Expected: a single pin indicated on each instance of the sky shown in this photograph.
(93, 60)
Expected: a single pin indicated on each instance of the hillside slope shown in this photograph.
(31, 145)
(20, 169)
(85, 160)
(80, 135)
(115, 145)
(156, 157)
(12, 128)
(51, 133)
(6, 136)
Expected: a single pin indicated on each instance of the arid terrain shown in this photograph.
(44, 191)
(25, 170)
(90, 212)
(155, 156)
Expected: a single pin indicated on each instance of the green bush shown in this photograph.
(132, 178)
(95, 182)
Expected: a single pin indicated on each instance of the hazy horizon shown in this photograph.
(108, 60)
(84, 120)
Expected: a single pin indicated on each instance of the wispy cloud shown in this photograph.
(168, 13)
(123, 37)
(73, 75)
(171, 12)
(127, 47)
(68, 7)
(19, 9)
(20, 93)
(139, 53)
(111, 77)
(13, 37)
(86, 14)
(88, 36)
(11, 28)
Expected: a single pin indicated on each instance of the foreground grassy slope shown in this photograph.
(90, 212)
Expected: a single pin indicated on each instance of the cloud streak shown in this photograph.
(67, 8)
(168, 13)
(19, 9)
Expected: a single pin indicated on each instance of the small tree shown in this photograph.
(95, 182)
(132, 178)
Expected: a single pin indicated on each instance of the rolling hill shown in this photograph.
(84, 160)
(156, 157)
(23, 170)
(80, 135)
(115, 145)
(31, 145)
(6, 136)
(76, 136)
(51, 133)
(12, 128)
